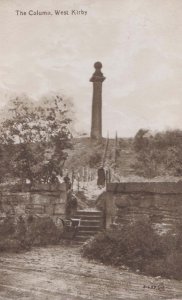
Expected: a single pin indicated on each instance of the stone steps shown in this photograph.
(87, 217)
(87, 233)
(91, 222)
(89, 228)
(127, 158)
(88, 213)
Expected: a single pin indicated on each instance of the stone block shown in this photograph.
(122, 201)
(58, 200)
(146, 187)
(59, 209)
(49, 187)
(19, 210)
(49, 209)
(38, 209)
(40, 198)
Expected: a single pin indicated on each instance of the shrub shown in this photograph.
(95, 159)
(159, 154)
(21, 234)
(42, 231)
(10, 245)
(169, 266)
(137, 246)
(7, 227)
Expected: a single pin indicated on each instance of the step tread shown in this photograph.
(89, 217)
(89, 228)
(82, 237)
(91, 220)
(84, 212)
(87, 232)
(85, 226)
(99, 224)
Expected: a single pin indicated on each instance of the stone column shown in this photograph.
(97, 79)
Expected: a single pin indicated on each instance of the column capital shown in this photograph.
(97, 75)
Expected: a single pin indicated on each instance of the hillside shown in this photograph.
(89, 154)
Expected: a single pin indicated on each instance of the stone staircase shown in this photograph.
(91, 222)
(127, 157)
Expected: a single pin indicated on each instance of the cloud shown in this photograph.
(139, 43)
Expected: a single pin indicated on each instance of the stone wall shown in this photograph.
(158, 202)
(42, 199)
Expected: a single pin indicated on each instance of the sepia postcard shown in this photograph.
(90, 149)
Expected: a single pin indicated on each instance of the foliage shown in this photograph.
(10, 238)
(23, 233)
(86, 153)
(33, 138)
(158, 154)
(138, 247)
(95, 159)
(42, 231)
(11, 245)
(7, 227)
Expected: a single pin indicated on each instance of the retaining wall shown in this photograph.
(42, 199)
(157, 202)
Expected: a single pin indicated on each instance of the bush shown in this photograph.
(169, 266)
(42, 231)
(159, 154)
(7, 227)
(21, 234)
(11, 245)
(139, 247)
(95, 159)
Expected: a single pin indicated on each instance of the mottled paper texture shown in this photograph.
(117, 64)
(138, 42)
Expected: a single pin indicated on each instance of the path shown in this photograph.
(59, 273)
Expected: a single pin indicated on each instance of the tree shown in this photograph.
(140, 140)
(159, 154)
(39, 134)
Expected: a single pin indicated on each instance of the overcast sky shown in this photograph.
(139, 43)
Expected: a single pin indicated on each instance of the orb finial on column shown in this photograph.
(97, 75)
(98, 65)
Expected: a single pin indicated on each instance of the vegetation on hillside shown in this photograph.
(159, 154)
(147, 155)
(85, 153)
(90, 153)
